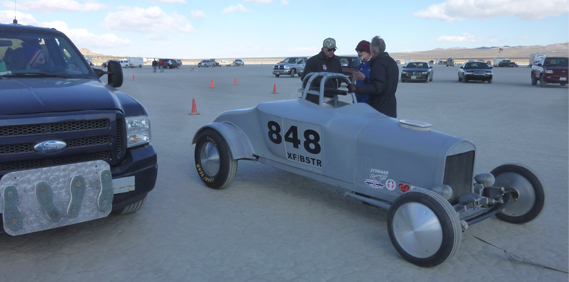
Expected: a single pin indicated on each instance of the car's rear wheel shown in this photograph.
(531, 193)
(542, 82)
(459, 79)
(214, 163)
(424, 228)
(292, 72)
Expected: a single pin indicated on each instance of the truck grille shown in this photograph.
(458, 174)
(88, 138)
(279, 68)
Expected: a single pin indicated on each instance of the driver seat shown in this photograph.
(16, 60)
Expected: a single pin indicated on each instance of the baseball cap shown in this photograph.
(329, 43)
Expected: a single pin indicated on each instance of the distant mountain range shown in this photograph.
(518, 54)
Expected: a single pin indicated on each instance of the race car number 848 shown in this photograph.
(311, 140)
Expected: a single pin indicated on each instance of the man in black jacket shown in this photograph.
(383, 80)
(325, 61)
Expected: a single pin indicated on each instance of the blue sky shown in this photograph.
(191, 29)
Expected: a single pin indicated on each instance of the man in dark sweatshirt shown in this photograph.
(383, 80)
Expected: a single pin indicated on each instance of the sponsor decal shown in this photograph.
(374, 183)
(324, 67)
(304, 159)
(378, 174)
(390, 184)
(404, 187)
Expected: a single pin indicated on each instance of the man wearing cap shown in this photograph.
(383, 80)
(362, 74)
(325, 61)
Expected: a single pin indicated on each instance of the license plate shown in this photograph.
(46, 198)
(562, 79)
(413, 77)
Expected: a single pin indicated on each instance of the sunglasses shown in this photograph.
(359, 50)
(331, 50)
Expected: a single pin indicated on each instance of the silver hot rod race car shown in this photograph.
(424, 178)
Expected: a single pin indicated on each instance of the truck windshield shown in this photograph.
(561, 62)
(30, 54)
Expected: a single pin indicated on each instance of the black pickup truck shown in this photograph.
(72, 148)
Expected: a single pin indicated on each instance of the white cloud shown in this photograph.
(465, 37)
(169, 1)
(259, 1)
(49, 6)
(80, 37)
(197, 14)
(284, 2)
(153, 21)
(233, 9)
(457, 10)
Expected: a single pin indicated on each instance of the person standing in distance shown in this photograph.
(361, 75)
(325, 61)
(154, 65)
(383, 80)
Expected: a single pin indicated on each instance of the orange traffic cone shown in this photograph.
(211, 84)
(275, 89)
(235, 81)
(133, 77)
(194, 108)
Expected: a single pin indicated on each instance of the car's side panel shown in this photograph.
(237, 141)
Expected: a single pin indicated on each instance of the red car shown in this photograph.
(550, 70)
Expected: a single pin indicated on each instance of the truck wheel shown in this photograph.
(459, 79)
(402, 80)
(542, 82)
(214, 163)
(276, 75)
(130, 208)
(489, 80)
(292, 72)
(533, 80)
(424, 228)
(465, 80)
(531, 193)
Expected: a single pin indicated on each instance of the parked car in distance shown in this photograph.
(206, 64)
(550, 70)
(290, 66)
(349, 65)
(417, 71)
(475, 71)
(174, 63)
(135, 62)
(449, 62)
(179, 63)
(239, 62)
(72, 148)
(506, 63)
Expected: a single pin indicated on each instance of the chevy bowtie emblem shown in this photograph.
(50, 146)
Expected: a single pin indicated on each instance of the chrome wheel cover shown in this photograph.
(526, 193)
(417, 230)
(209, 158)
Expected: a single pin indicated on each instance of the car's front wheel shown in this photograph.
(276, 75)
(459, 79)
(292, 72)
(531, 194)
(542, 82)
(424, 227)
(533, 80)
(214, 163)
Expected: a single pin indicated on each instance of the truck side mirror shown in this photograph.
(115, 75)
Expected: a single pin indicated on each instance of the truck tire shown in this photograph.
(292, 72)
(533, 79)
(542, 82)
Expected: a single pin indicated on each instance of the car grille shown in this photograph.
(100, 137)
(279, 68)
(458, 174)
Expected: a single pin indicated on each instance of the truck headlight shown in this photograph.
(137, 130)
(286, 67)
(548, 71)
(425, 72)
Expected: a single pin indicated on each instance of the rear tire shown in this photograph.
(214, 163)
(424, 228)
(542, 82)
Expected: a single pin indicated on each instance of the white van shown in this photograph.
(124, 63)
(135, 62)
